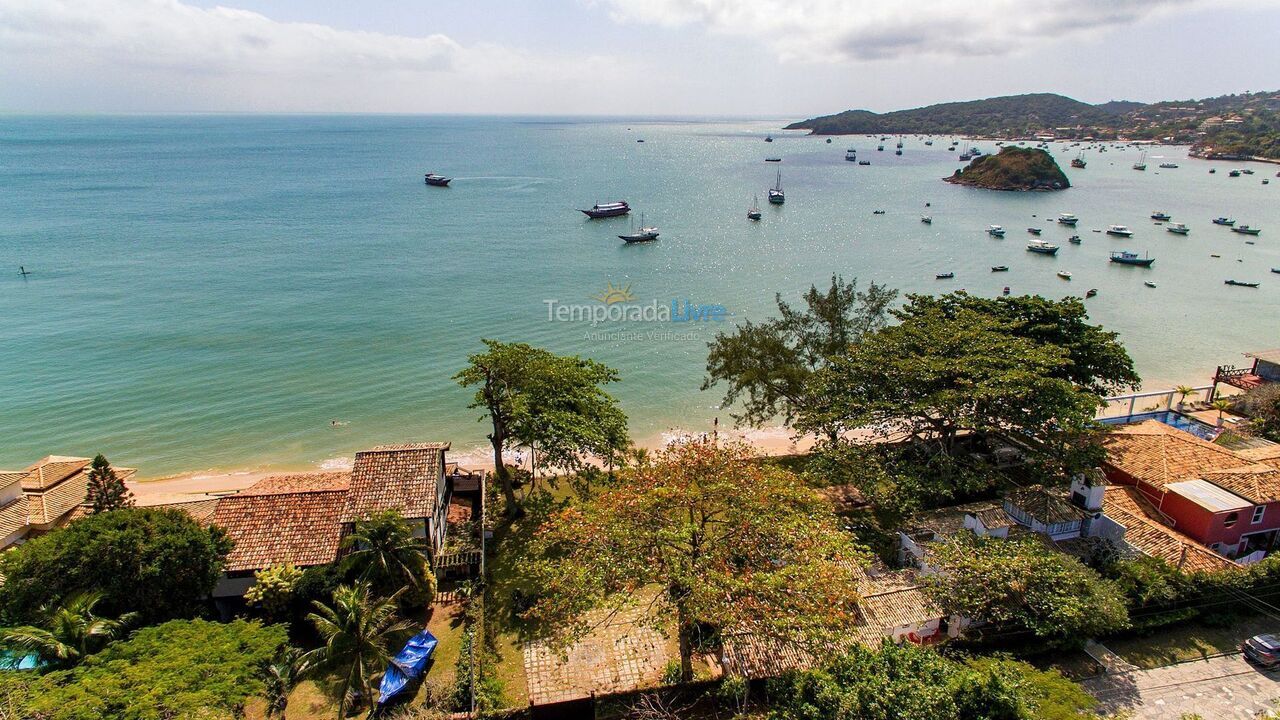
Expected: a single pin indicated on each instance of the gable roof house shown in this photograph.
(51, 491)
(407, 478)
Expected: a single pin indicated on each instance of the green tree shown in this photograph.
(159, 563)
(553, 403)
(358, 630)
(181, 669)
(384, 553)
(67, 633)
(106, 491)
(1262, 406)
(280, 677)
(1021, 584)
(766, 366)
(273, 588)
(721, 542)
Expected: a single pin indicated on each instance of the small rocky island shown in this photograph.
(1014, 168)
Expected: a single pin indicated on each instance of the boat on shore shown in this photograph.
(1067, 219)
(1119, 231)
(607, 210)
(1246, 230)
(1043, 247)
(995, 231)
(1241, 283)
(645, 234)
(1124, 257)
(435, 180)
(776, 196)
(1178, 228)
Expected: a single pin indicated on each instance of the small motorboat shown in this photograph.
(606, 210)
(877, 212)
(1214, 255)
(435, 180)
(1247, 172)
(999, 268)
(1276, 270)
(897, 152)
(828, 141)
(1177, 228)
(864, 162)
(1224, 221)
(1119, 231)
(1234, 173)
(879, 148)
(1168, 165)
(1246, 230)
(1124, 257)
(1042, 247)
(1241, 283)
(945, 275)
(1034, 231)
(851, 155)
(1212, 170)
(773, 159)
(926, 219)
(1074, 240)
(1149, 284)
(1064, 274)
(1091, 292)
(768, 138)
(1162, 216)
(995, 231)
(1067, 219)
(1006, 289)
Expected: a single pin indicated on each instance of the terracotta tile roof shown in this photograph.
(13, 516)
(302, 528)
(1258, 483)
(395, 477)
(1044, 505)
(52, 469)
(1147, 534)
(948, 521)
(892, 608)
(200, 510)
(1157, 454)
(299, 482)
(9, 477)
(460, 509)
(1266, 453)
(843, 497)
(50, 504)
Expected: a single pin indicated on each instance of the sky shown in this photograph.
(736, 58)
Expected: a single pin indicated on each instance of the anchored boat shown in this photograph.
(1119, 231)
(1241, 283)
(645, 234)
(607, 210)
(1246, 230)
(1124, 257)
(776, 196)
(1067, 219)
(995, 231)
(1042, 247)
(1162, 216)
(753, 212)
(1177, 228)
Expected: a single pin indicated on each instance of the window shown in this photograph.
(1231, 520)
(1258, 512)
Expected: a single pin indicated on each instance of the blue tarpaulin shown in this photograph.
(407, 665)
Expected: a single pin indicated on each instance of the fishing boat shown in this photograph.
(1276, 270)
(1149, 284)
(1091, 292)
(926, 219)
(1042, 247)
(899, 144)
(435, 180)
(1213, 170)
(753, 212)
(1241, 283)
(1067, 219)
(1142, 162)
(1078, 161)
(607, 210)
(1034, 231)
(1119, 231)
(1168, 165)
(1064, 274)
(1224, 221)
(1246, 230)
(1074, 240)
(945, 275)
(928, 142)
(877, 212)
(879, 148)
(1124, 257)
(1234, 173)
(1178, 228)
(644, 235)
(768, 138)
(1161, 216)
(850, 155)
(995, 231)
(1247, 171)
(897, 152)
(1006, 289)
(773, 159)
(776, 196)
(864, 162)
(1000, 268)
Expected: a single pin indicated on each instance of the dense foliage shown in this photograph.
(767, 366)
(64, 635)
(911, 683)
(359, 632)
(383, 552)
(1262, 406)
(106, 491)
(1011, 115)
(181, 669)
(719, 542)
(1014, 168)
(1020, 584)
(555, 404)
(160, 564)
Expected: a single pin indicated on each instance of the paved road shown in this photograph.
(1220, 688)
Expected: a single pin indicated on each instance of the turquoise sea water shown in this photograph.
(210, 292)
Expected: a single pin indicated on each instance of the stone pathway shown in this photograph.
(1220, 688)
(1110, 661)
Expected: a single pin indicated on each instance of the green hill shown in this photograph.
(1014, 168)
(1011, 115)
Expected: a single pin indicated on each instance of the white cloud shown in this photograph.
(164, 54)
(836, 30)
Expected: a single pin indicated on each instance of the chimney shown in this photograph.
(1087, 490)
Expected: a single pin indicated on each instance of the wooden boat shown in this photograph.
(435, 180)
(646, 234)
(1074, 240)
(1241, 283)
(1042, 247)
(1034, 231)
(1091, 292)
(1149, 284)
(1000, 268)
(945, 275)
(1157, 215)
(1064, 274)
(1246, 230)
(607, 210)
(1119, 231)
(1178, 228)
(776, 196)
(1124, 257)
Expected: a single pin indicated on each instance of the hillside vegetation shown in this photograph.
(1013, 169)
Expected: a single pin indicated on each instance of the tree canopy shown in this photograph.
(181, 669)
(766, 366)
(555, 404)
(106, 489)
(1019, 584)
(719, 541)
(159, 563)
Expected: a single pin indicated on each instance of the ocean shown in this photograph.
(213, 292)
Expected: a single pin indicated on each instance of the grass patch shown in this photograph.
(1191, 641)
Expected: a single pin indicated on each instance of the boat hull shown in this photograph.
(1119, 234)
(1044, 251)
(611, 212)
(639, 237)
(1139, 262)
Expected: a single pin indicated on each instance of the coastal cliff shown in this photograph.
(1014, 168)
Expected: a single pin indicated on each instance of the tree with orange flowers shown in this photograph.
(713, 539)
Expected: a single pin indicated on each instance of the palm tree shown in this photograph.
(358, 630)
(386, 555)
(280, 678)
(68, 633)
(1221, 405)
(1185, 391)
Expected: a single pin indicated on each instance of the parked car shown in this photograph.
(1263, 650)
